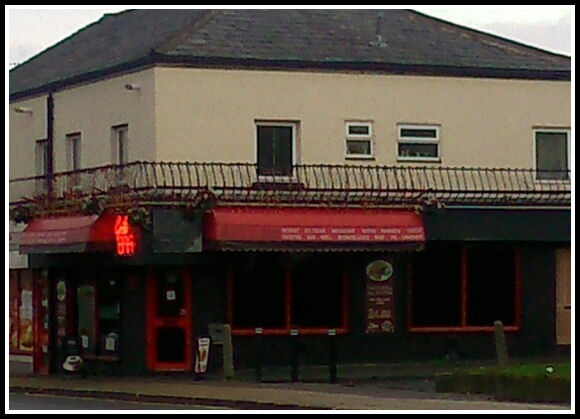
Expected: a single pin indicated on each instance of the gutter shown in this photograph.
(156, 58)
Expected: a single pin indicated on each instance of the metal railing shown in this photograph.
(307, 184)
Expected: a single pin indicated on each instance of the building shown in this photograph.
(383, 176)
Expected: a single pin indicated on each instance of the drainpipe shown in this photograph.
(50, 143)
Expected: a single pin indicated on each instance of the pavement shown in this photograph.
(385, 387)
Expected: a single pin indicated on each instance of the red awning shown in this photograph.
(312, 229)
(68, 234)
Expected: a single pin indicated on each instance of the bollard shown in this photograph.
(500, 345)
(294, 356)
(259, 354)
(332, 355)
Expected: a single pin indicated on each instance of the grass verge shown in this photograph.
(531, 382)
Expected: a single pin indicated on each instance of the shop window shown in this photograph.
(21, 338)
(259, 292)
(278, 293)
(490, 287)
(437, 287)
(99, 321)
(456, 288)
(316, 291)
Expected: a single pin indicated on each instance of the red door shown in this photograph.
(169, 334)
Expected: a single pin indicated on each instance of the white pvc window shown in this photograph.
(418, 142)
(359, 140)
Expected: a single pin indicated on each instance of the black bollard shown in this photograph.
(294, 356)
(259, 354)
(332, 355)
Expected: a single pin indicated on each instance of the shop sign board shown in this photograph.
(380, 304)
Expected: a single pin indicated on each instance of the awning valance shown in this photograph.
(261, 228)
(69, 234)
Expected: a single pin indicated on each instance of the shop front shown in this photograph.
(383, 284)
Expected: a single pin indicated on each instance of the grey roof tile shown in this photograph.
(389, 37)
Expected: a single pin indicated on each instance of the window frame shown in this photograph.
(359, 137)
(537, 130)
(73, 151)
(294, 125)
(41, 157)
(465, 327)
(288, 328)
(419, 140)
(120, 156)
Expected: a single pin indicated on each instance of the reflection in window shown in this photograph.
(99, 316)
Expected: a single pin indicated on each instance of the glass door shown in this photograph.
(169, 335)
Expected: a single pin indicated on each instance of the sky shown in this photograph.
(31, 29)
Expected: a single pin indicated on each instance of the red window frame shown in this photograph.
(464, 327)
(288, 328)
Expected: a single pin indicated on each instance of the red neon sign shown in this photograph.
(124, 237)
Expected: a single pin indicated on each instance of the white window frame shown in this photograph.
(419, 140)
(537, 130)
(359, 137)
(74, 151)
(115, 149)
(288, 124)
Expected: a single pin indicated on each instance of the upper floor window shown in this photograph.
(41, 157)
(359, 140)
(552, 154)
(73, 151)
(418, 142)
(275, 148)
(120, 144)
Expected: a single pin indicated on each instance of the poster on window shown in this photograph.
(26, 329)
(13, 312)
(380, 297)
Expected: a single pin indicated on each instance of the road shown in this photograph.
(19, 401)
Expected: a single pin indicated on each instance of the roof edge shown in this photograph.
(480, 32)
(156, 58)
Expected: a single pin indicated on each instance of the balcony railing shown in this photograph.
(309, 184)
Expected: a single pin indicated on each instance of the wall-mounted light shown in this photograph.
(23, 110)
(132, 86)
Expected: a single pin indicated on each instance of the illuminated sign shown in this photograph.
(124, 237)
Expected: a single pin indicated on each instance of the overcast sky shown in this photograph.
(31, 29)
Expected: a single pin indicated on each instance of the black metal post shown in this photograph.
(294, 356)
(50, 144)
(332, 356)
(259, 354)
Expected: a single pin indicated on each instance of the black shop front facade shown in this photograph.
(136, 297)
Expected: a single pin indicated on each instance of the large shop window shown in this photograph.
(99, 317)
(278, 293)
(21, 337)
(455, 288)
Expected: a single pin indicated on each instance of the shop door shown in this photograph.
(563, 297)
(169, 335)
